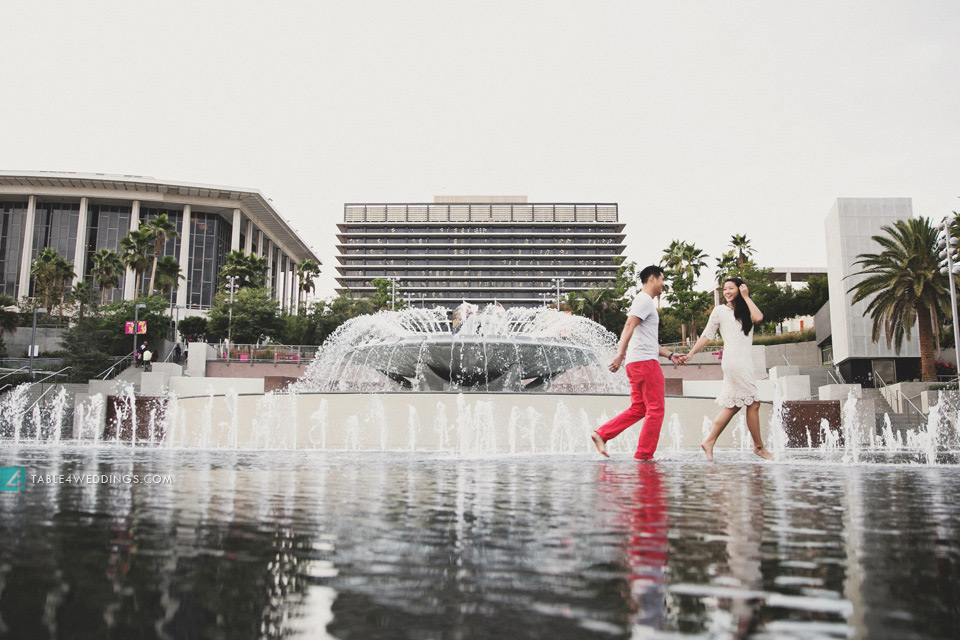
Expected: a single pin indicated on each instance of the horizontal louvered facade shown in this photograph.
(481, 252)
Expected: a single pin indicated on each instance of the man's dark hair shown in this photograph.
(652, 270)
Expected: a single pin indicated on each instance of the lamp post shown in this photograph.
(136, 327)
(393, 295)
(232, 288)
(33, 337)
(947, 246)
(421, 300)
(559, 283)
(544, 296)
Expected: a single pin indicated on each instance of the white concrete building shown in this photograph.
(850, 227)
(78, 214)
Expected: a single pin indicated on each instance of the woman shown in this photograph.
(735, 320)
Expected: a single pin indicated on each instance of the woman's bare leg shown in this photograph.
(719, 424)
(753, 425)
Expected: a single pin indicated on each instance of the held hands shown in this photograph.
(614, 365)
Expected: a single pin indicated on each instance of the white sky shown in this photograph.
(701, 119)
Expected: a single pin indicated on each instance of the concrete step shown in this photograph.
(880, 403)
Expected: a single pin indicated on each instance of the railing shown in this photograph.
(39, 364)
(106, 373)
(274, 353)
(903, 396)
(784, 356)
(832, 377)
(14, 373)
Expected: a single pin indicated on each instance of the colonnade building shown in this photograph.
(78, 214)
(479, 249)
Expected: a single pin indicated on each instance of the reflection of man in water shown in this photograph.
(640, 491)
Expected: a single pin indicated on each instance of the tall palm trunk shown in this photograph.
(928, 367)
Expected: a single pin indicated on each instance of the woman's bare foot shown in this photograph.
(600, 444)
(763, 452)
(707, 449)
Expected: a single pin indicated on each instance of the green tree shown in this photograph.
(686, 304)
(168, 275)
(250, 270)
(135, 253)
(84, 297)
(813, 297)
(44, 271)
(106, 269)
(193, 329)
(159, 228)
(741, 245)
(905, 287)
(385, 293)
(307, 272)
(9, 319)
(256, 317)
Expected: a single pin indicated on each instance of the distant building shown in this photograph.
(479, 249)
(843, 328)
(78, 214)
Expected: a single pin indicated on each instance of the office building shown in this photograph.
(479, 249)
(78, 214)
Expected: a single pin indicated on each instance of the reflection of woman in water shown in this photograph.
(735, 321)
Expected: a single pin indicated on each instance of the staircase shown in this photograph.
(900, 422)
(819, 377)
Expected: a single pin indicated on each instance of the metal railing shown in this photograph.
(903, 396)
(104, 375)
(24, 368)
(274, 353)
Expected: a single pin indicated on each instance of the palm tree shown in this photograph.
(907, 287)
(160, 228)
(44, 272)
(62, 275)
(307, 271)
(168, 274)
(250, 270)
(9, 320)
(741, 245)
(106, 270)
(82, 294)
(693, 260)
(726, 264)
(136, 246)
(671, 255)
(593, 303)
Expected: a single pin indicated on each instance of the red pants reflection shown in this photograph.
(643, 509)
(646, 401)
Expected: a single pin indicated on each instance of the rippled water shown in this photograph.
(291, 545)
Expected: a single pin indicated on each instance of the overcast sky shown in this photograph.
(701, 119)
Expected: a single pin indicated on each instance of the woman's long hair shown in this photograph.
(740, 309)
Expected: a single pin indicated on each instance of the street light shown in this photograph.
(544, 296)
(947, 246)
(393, 295)
(232, 288)
(559, 283)
(136, 327)
(33, 337)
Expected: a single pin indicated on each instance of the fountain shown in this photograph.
(493, 350)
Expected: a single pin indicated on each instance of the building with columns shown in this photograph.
(78, 214)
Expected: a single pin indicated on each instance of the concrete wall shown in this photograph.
(47, 337)
(850, 227)
(799, 354)
(466, 423)
(202, 387)
(255, 370)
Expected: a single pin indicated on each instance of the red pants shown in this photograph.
(646, 398)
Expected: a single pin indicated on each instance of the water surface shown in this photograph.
(245, 544)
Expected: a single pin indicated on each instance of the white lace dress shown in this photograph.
(739, 381)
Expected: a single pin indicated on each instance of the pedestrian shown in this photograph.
(734, 319)
(140, 350)
(147, 358)
(640, 349)
(177, 352)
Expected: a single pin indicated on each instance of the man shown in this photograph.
(139, 356)
(640, 347)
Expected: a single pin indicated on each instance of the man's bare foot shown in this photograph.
(600, 444)
(763, 452)
(707, 449)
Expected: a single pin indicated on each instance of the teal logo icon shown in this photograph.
(13, 478)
